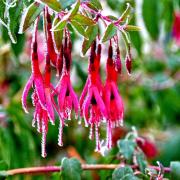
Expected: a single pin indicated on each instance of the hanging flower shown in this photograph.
(67, 98)
(93, 108)
(112, 99)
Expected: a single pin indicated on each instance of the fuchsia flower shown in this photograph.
(67, 98)
(112, 99)
(176, 29)
(42, 98)
(92, 106)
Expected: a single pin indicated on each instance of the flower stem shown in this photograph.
(51, 169)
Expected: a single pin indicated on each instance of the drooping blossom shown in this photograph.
(176, 29)
(92, 105)
(66, 97)
(42, 97)
(112, 98)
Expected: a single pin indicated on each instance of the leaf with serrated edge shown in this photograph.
(109, 32)
(29, 16)
(71, 169)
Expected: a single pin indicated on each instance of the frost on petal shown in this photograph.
(25, 93)
(38, 81)
(49, 105)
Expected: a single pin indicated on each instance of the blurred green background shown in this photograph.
(151, 94)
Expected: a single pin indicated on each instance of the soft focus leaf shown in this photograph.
(75, 9)
(175, 169)
(53, 4)
(126, 148)
(121, 172)
(133, 28)
(29, 16)
(59, 25)
(83, 20)
(91, 33)
(66, 3)
(95, 4)
(71, 169)
(141, 162)
(151, 18)
(110, 32)
(2, 10)
(126, 12)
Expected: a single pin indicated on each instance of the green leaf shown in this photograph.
(19, 46)
(53, 4)
(75, 9)
(83, 20)
(80, 29)
(95, 5)
(151, 18)
(29, 16)
(59, 25)
(126, 12)
(71, 169)
(175, 170)
(57, 35)
(13, 15)
(91, 32)
(127, 41)
(121, 172)
(126, 148)
(109, 32)
(3, 165)
(132, 28)
(2, 11)
(142, 163)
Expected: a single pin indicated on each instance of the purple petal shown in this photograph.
(25, 93)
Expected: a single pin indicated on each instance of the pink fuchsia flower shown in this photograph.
(176, 29)
(67, 98)
(92, 106)
(112, 99)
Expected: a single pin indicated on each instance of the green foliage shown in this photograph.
(71, 169)
(111, 30)
(175, 170)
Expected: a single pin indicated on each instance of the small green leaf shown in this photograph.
(175, 170)
(53, 4)
(151, 17)
(132, 28)
(91, 32)
(2, 11)
(109, 32)
(127, 41)
(83, 20)
(142, 163)
(126, 12)
(80, 29)
(57, 35)
(29, 16)
(71, 169)
(75, 9)
(126, 148)
(59, 25)
(121, 172)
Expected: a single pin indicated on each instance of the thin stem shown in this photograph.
(51, 169)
